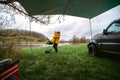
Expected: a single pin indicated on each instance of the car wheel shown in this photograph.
(92, 50)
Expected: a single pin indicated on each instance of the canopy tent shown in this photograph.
(80, 8)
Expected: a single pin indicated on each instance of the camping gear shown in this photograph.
(9, 69)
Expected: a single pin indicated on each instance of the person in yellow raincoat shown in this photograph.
(56, 40)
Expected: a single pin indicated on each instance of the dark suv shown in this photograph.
(108, 41)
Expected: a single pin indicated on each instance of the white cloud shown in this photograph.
(68, 27)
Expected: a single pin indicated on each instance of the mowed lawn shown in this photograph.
(70, 63)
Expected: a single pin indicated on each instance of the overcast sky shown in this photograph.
(70, 25)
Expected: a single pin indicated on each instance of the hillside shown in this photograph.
(21, 35)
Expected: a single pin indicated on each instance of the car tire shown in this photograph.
(92, 50)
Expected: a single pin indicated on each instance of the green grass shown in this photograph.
(71, 63)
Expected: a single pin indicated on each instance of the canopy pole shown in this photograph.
(90, 27)
(30, 36)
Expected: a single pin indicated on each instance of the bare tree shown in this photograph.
(8, 19)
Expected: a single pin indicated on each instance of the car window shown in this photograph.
(115, 27)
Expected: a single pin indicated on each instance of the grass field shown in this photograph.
(71, 63)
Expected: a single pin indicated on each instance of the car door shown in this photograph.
(111, 40)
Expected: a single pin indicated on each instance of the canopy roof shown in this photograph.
(81, 8)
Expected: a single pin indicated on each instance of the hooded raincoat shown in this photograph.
(56, 38)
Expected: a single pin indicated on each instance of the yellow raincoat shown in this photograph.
(56, 38)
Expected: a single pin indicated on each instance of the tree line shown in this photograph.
(76, 40)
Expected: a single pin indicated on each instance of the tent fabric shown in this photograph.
(7, 1)
(80, 8)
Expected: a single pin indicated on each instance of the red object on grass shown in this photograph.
(9, 71)
(13, 71)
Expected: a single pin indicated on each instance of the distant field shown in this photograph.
(71, 63)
